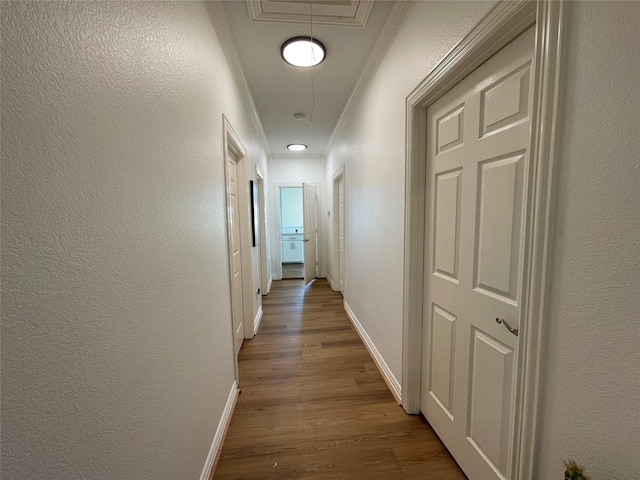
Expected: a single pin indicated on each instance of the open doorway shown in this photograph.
(292, 232)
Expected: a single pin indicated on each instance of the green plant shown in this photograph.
(574, 471)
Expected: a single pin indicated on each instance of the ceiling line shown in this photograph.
(389, 30)
(222, 28)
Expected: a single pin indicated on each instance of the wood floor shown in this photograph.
(293, 270)
(314, 406)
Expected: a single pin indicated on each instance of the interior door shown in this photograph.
(309, 201)
(235, 250)
(477, 141)
(341, 258)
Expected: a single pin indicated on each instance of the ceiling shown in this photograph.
(348, 28)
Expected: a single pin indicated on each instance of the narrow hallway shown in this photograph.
(313, 404)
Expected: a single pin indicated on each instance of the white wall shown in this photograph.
(291, 207)
(291, 171)
(372, 148)
(117, 354)
(591, 389)
(591, 377)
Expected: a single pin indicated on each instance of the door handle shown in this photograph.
(509, 327)
(306, 240)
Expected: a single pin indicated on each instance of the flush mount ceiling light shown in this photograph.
(303, 52)
(297, 147)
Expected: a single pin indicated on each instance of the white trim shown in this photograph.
(269, 284)
(297, 156)
(391, 26)
(222, 27)
(277, 275)
(330, 282)
(359, 19)
(547, 72)
(500, 26)
(256, 321)
(335, 224)
(231, 141)
(265, 273)
(221, 432)
(385, 371)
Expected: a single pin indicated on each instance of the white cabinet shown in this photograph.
(298, 252)
(292, 249)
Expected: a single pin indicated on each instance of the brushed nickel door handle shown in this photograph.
(509, 327)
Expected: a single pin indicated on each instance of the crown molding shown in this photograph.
(257, 14)
(297, 156)
(221, 25)
(389, 30)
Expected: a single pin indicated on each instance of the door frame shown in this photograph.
(277, 275)
(501, 25)
(336, 230)
(263, 251)
(305, 186)
(231, 141)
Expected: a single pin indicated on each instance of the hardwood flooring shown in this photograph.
(292, 270)
(314, 406)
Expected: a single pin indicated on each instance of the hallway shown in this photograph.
(313, 404)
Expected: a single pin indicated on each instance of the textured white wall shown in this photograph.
(372, 148)
(591, 389)
(116, 334)
(591, 377)
(293, 171)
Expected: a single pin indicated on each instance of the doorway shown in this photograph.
(338, 282)
(238, 238)
(528, 181)
(291, 232)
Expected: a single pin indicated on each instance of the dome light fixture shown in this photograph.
(297, 147)
(303, 52)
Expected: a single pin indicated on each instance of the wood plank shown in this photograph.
(313, 404)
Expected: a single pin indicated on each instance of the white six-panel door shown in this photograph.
(477, 140)
(310, 232)
(235, 250)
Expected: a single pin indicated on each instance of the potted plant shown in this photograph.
(574, 471)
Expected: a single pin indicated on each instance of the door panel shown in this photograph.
(443, 344)
(477, 141)
(310, 232)
(506, 102)
(499, 219)
(446, 241)
(450, 129)
(490, 398)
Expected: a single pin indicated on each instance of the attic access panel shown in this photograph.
(353, 13)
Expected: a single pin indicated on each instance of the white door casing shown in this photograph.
(238, 237)
(338, 280)
(309, 203)
(477, 159)
(265, 275)
(341, 225)
(504, 22)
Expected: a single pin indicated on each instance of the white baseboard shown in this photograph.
(331, 284)
(256, 321)
(221, 432)
(385, 371)
(275, 277)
